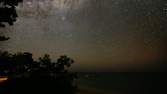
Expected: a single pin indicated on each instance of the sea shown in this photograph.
(123, 83)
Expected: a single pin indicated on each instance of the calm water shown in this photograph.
(122, 82)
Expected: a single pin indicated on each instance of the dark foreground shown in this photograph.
(91, 83)
(37, 86)
(123, 83)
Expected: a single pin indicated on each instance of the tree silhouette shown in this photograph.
(3, 38)
(7, 14)
(23, 71)
(21, 68)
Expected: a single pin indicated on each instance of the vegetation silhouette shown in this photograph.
(26, 76)
(8, 14)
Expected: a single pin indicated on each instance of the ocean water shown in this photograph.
(124, 83)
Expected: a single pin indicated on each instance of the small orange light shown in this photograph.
(3, 79)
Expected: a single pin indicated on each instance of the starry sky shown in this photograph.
(100, 35)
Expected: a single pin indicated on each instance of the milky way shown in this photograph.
(101, 35)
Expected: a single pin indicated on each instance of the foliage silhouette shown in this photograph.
(3, 38)
(26, 74)
(7, 14)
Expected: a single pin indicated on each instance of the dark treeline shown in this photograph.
(25, 75)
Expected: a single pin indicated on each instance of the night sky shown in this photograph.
(100, 35)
